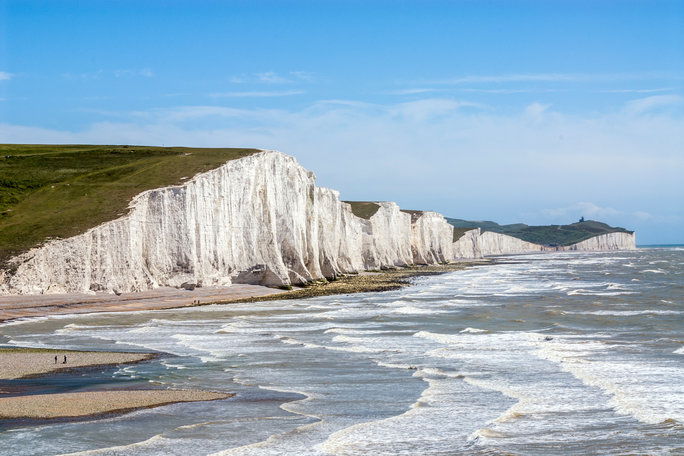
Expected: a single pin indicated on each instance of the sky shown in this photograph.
(513, 111)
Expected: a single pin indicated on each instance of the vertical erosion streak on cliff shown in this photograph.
(609, 241)
(468, 245)
(492, 243)
(258, 219)
(431, 238)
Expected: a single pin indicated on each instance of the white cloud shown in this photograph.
(454, 156)
(582, 209)
(118, 73)
(536, 109)
(662, 89)
(262, 94)
(271, 77)
(414, 91)
(5, 76)
(556, 77)
(642, 105)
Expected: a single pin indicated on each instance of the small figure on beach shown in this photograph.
(64, 360)
(55, 359)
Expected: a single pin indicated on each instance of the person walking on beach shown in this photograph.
(55, 359)
(64, 360)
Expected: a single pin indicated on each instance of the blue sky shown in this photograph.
(534, 111)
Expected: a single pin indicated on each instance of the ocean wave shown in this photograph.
(412, 310)
(473, 330)
(627, 313)
(656, 271)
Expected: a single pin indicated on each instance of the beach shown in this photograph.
(23, 306)
(22, 363)
(545, 355)
(72, 405)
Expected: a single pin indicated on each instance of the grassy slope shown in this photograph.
(545, 235)
(363, 209)
(459, 232)
(57, 191)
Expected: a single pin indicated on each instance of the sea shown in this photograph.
(554, 354)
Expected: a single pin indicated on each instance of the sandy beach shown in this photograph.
(71, 405)
(24, 362)
(21, 306)
(18, 363)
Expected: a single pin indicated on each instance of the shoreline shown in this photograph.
(96, 404)
(16, 307)
(22, 363)
(18, 363)
(23, 406)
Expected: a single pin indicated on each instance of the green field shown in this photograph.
(459, 232)
(551, 235)
(57, 191)
(363, 209)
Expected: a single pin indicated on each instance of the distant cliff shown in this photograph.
(477, 244)
(549, 235)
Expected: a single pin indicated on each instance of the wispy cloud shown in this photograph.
(446, 154)
(118, 73)
(556, 77)
(5, 76)
(257, 94)
(662, 89)
(415, 91)
(271, 77)
(642, 105)
(456, 90)
(591, 210)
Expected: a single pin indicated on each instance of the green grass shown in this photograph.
(363, 209)
(459, 232)
(58, 191)
(552, 235)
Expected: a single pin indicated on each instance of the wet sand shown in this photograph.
(24, 362)
(21, 306)
(73, 405)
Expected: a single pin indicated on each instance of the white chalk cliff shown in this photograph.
(387, 238)
(608, 241)
(431, 238)
(501, 244)
(476, 244)
(259, 219)
(468, 245)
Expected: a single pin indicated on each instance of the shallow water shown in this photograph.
(557, 354)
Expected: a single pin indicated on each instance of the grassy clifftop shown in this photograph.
(57, 191)
(363, 209)
(546, 235)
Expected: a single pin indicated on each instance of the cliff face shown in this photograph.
(501, 244)
(609, 241)
(387, 238)
(468, 245)
(431, 238)
(474, 244)
(259, 219)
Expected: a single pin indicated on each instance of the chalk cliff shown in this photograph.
(468, 245)
(492, 243)
(387, 238)
(431, 237)
(259, 219)
(609, 241)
